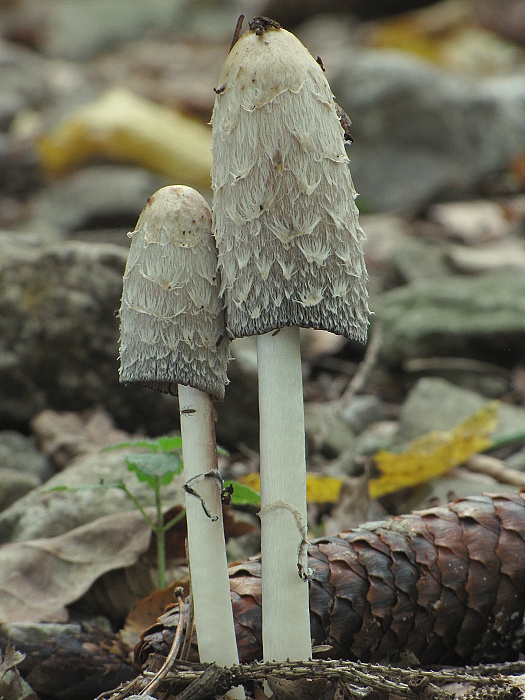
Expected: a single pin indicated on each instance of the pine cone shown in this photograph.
(443, 586)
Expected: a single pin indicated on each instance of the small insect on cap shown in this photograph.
(285, 220)
(171, 317)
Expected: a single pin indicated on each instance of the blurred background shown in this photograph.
(103, 102)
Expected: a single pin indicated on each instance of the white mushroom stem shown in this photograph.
(285, 595)
(207, 554)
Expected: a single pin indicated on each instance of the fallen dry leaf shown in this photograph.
(434, 454)
(131, 129)
(39, 578)
(12, 687)
(65, 435)
(10, 659)
(319, 488)
(148, 609)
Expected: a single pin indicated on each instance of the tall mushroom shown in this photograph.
(290, 256)
(173, 339)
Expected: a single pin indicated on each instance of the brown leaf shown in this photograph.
(11, 658)
(12, 687)
(38, 578)
(147, 610)
(65, 435)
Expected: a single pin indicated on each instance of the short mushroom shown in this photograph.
(173, 340)
(290, 256)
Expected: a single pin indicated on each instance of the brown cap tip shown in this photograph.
(171, 318)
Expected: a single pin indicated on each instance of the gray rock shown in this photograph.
(362, 411)
(104, 23)
(19, 453)
(36, 632)
(41, 513)
(320, 420)
(23, 81)
(101, 196)
(480, 317)
(434, 404)
(59, 334)
(418, 131)
(14, 484)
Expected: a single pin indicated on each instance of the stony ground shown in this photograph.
(438, 159)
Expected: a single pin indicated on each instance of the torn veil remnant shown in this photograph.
(285, 220)
(171, 317)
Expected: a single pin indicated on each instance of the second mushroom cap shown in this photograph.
(171, 318)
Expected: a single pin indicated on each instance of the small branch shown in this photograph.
(360, 378)
(237, 32)
(202, 680)
(172, 655)
(356, 384)
(497, 469)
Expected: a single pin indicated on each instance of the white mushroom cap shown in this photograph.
(285, 220)
(171, 317)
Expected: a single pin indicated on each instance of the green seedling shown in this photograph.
(160, 462)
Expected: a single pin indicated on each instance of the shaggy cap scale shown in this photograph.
(285, 220)
(171, 317)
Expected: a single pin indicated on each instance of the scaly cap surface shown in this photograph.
(171, 317)
(285, 220)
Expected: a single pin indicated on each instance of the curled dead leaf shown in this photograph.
(39, 578)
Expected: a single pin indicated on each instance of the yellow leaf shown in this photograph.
(319, 489)
(434, 454)
(125, 127)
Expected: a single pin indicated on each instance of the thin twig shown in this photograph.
(496, 468)
(161, 674)
(355, 385)
(359, 379)
(237, 32)
(407, 683)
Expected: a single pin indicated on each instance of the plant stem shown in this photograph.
(206, 546)
(175, 520)
(285, 596)
(506, 440)
(138, 506)
(159, 532)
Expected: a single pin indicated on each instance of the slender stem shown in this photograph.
(138, 507)
(210, 582)
(506, 440)
(174, 520)
(285, 596)
(159, 532)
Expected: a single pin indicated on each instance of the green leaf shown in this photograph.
(152, 445)
(243, 495)
(222, 451)
(148, 467)
(170, 444)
